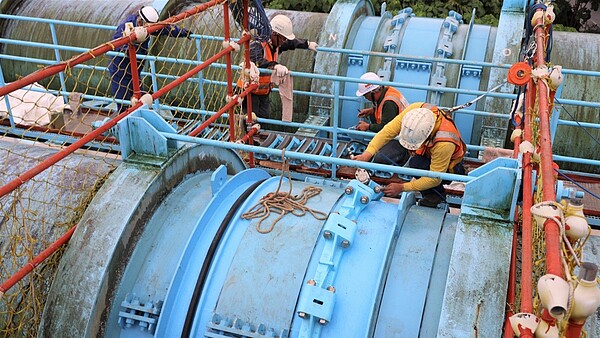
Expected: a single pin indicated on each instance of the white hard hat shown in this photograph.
(149, 14)
(417, 125)
(281, 24)
(364, 88)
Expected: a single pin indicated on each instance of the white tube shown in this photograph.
(554, 294)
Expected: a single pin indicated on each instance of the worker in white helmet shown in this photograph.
(434, 144)
(387, 102)
(265, 54)
(120, 66)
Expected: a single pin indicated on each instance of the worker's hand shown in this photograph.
(281, 70)
(366, 112)
(393, 189)
(364, 157)
(362, 126)
(189, 35)
(313, 46)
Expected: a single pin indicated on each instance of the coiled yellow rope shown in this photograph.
(283, 202)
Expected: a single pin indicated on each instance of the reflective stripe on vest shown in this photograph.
(392, 94)
(264, 80)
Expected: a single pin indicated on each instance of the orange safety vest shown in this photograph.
(447, 132)
(392, 94)
(264, 80)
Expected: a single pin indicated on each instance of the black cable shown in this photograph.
(189, 318)
(573, 117)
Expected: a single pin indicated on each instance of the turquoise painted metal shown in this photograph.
(165, 252)
(197, 268)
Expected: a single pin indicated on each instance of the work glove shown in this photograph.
(281, 70)
(313, 46)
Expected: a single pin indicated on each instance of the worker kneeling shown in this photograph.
(434, 143)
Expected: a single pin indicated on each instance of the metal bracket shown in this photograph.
(221, 326)
(316, 303)
(145, 316)
(140, 134)
(493, 194)
(355, 59)
(413, 65)
(563, 192)
(474, 71)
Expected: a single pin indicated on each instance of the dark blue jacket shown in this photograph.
(119, 66)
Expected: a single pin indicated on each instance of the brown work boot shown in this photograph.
(431, 201)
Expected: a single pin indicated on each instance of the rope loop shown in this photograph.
(283, 202)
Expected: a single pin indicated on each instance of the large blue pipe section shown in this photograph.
(163, 251)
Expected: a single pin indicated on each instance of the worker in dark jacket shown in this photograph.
(264, 55)
(388, 103)
(121, 83)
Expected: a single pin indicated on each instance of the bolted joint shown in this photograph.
(364, 199)
(377, 189)
(311, 282)
(323, 321)
(301, 314)
(327, 234)
(349, 190)
(345, 243)
(331, 289)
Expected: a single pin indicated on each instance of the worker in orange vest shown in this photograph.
(387, 102)
(264, 55)
(434, 143)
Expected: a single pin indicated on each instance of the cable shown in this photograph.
(573, 117)
(189, 318)
(465, 105)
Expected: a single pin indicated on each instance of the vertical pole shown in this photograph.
(229, 75)
(512, 276)
(546, 172)
(135, 78)
(526, 224)
(6, 100)
(61, 75)
(551, 230)
(334, 141)
(247, 66)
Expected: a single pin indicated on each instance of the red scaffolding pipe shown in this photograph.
(229, 74)
(527, 230)
(102, 49)
(551, 229)
(249, 98)
(135, 78)
(249, 135)
(222, 111)
(36, 261)
(17, 182)
(512, 275)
